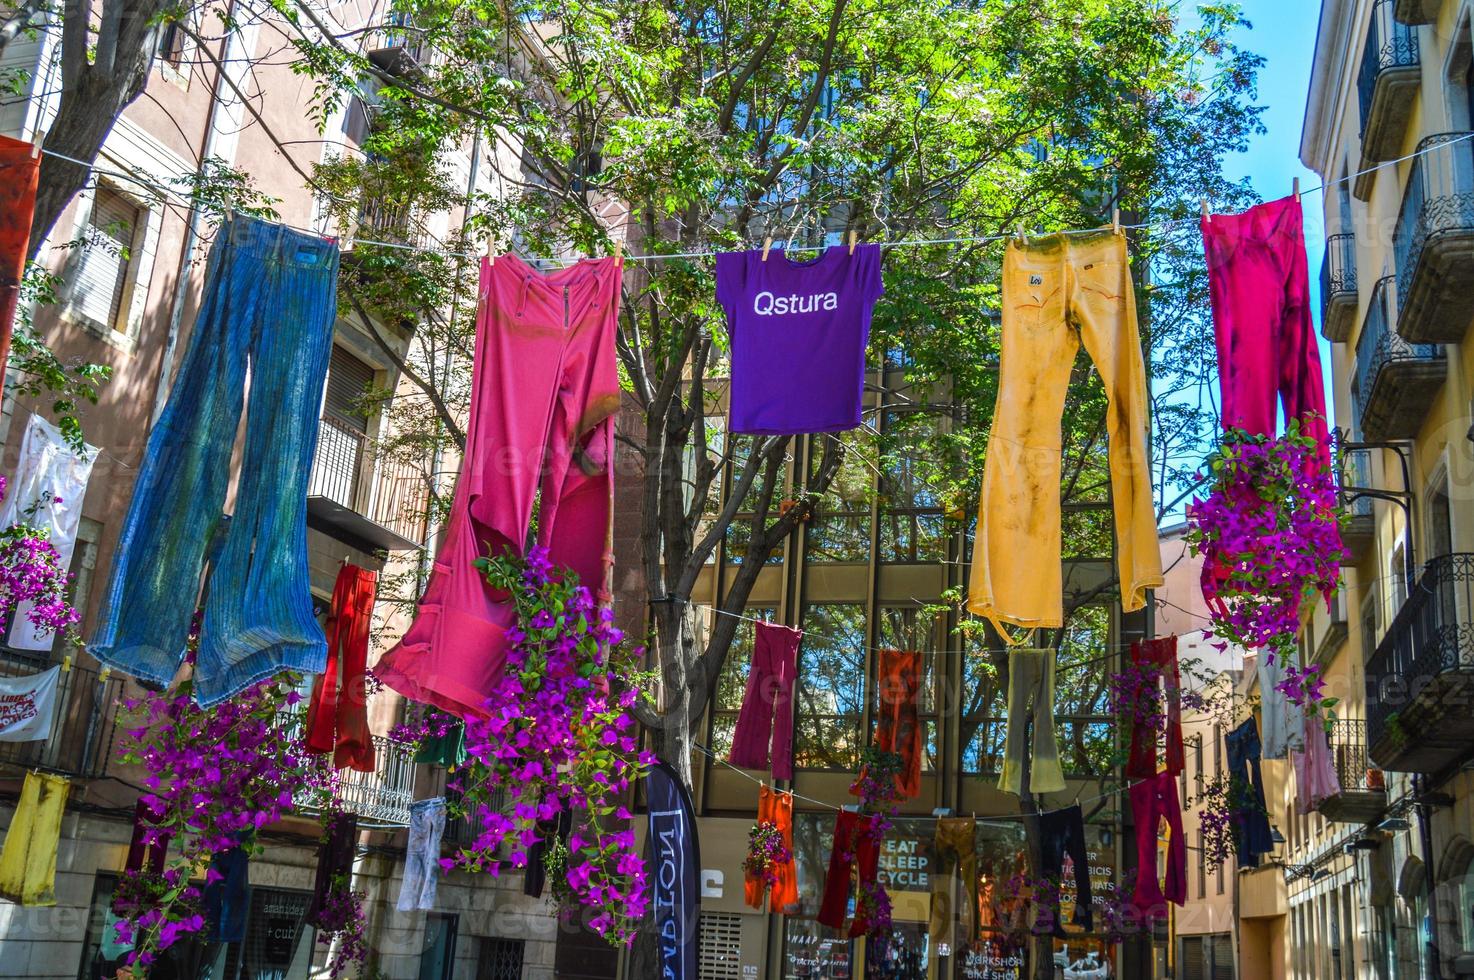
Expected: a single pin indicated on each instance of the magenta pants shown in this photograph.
(1267, 351)
(1152, 800)
(767, 706)
(544, 390)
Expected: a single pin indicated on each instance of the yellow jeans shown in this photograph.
(1058, 292)
(28, 859)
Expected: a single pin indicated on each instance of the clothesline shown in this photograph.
(1002, 820)
(1166, 226)
(840, 641)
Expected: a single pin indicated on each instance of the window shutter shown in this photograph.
(1193, 967)
(721, 946)
(1222, 957)
(102, 271)
(347, 379)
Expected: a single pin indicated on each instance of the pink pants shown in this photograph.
(1315, 774)
(1152, 800)
(544, 391)
(1261, 316)
(767, 707)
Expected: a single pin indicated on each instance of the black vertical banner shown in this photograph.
(675, 872)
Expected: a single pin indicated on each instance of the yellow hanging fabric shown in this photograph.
(1048, 284)
(28, 859)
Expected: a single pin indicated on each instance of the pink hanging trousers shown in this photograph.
(543, 397)
(1260, 287)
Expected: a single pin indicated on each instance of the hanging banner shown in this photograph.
(675, 863)
(27, 705)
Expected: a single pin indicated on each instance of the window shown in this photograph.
(170, 49)
(984, 706)
(437, 956)
(106, 263)
(911, 528)
(342, 435)
(499, 959)
(1202, 866)
(830, 704)
(1083, 723)
(1369, 616)
(840, 528)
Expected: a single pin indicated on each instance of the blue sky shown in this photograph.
(1284, 34)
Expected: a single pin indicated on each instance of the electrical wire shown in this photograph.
(1166, 226)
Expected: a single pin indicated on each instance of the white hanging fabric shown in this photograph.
(27, 706)
(50, 478)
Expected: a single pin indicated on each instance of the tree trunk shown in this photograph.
(92, 98)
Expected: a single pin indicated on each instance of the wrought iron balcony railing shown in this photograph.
(1396, 381)
(1420, 680)
(1363, 794)
(388, 494)
(380, 798)
(81, 742)
(1360, 529)
(1433, 241)
(1338, 296)
(1386, 84)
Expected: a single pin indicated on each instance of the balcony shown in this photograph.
(399, 47)
(1396, 381)
(380, 799)
(81, 742)
(1420, 680)
(1386, 87)
(1416, 11)
(1360, 529)
(1338, 296)
(373, 504)
(1363, 795)
(1433, 241)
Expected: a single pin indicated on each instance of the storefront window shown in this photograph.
(278, 944)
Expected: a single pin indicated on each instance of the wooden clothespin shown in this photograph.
(767, 244)
(854, 239)
(1021, 237)
(36, 147)
(1295, 188)
(490, 250)
(1203, 203)
(66, 664)
(619, 251)
(1116, 221)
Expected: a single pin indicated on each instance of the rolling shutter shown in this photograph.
(102, 272)
(348, 377)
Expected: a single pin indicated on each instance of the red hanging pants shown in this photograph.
(1161, 655)
(857, 846)
(20, 168)
(1152, 800)
(337, 719)
(897, 726)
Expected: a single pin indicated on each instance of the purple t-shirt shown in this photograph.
(799, 331)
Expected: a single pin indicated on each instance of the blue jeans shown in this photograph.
(269, 304)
